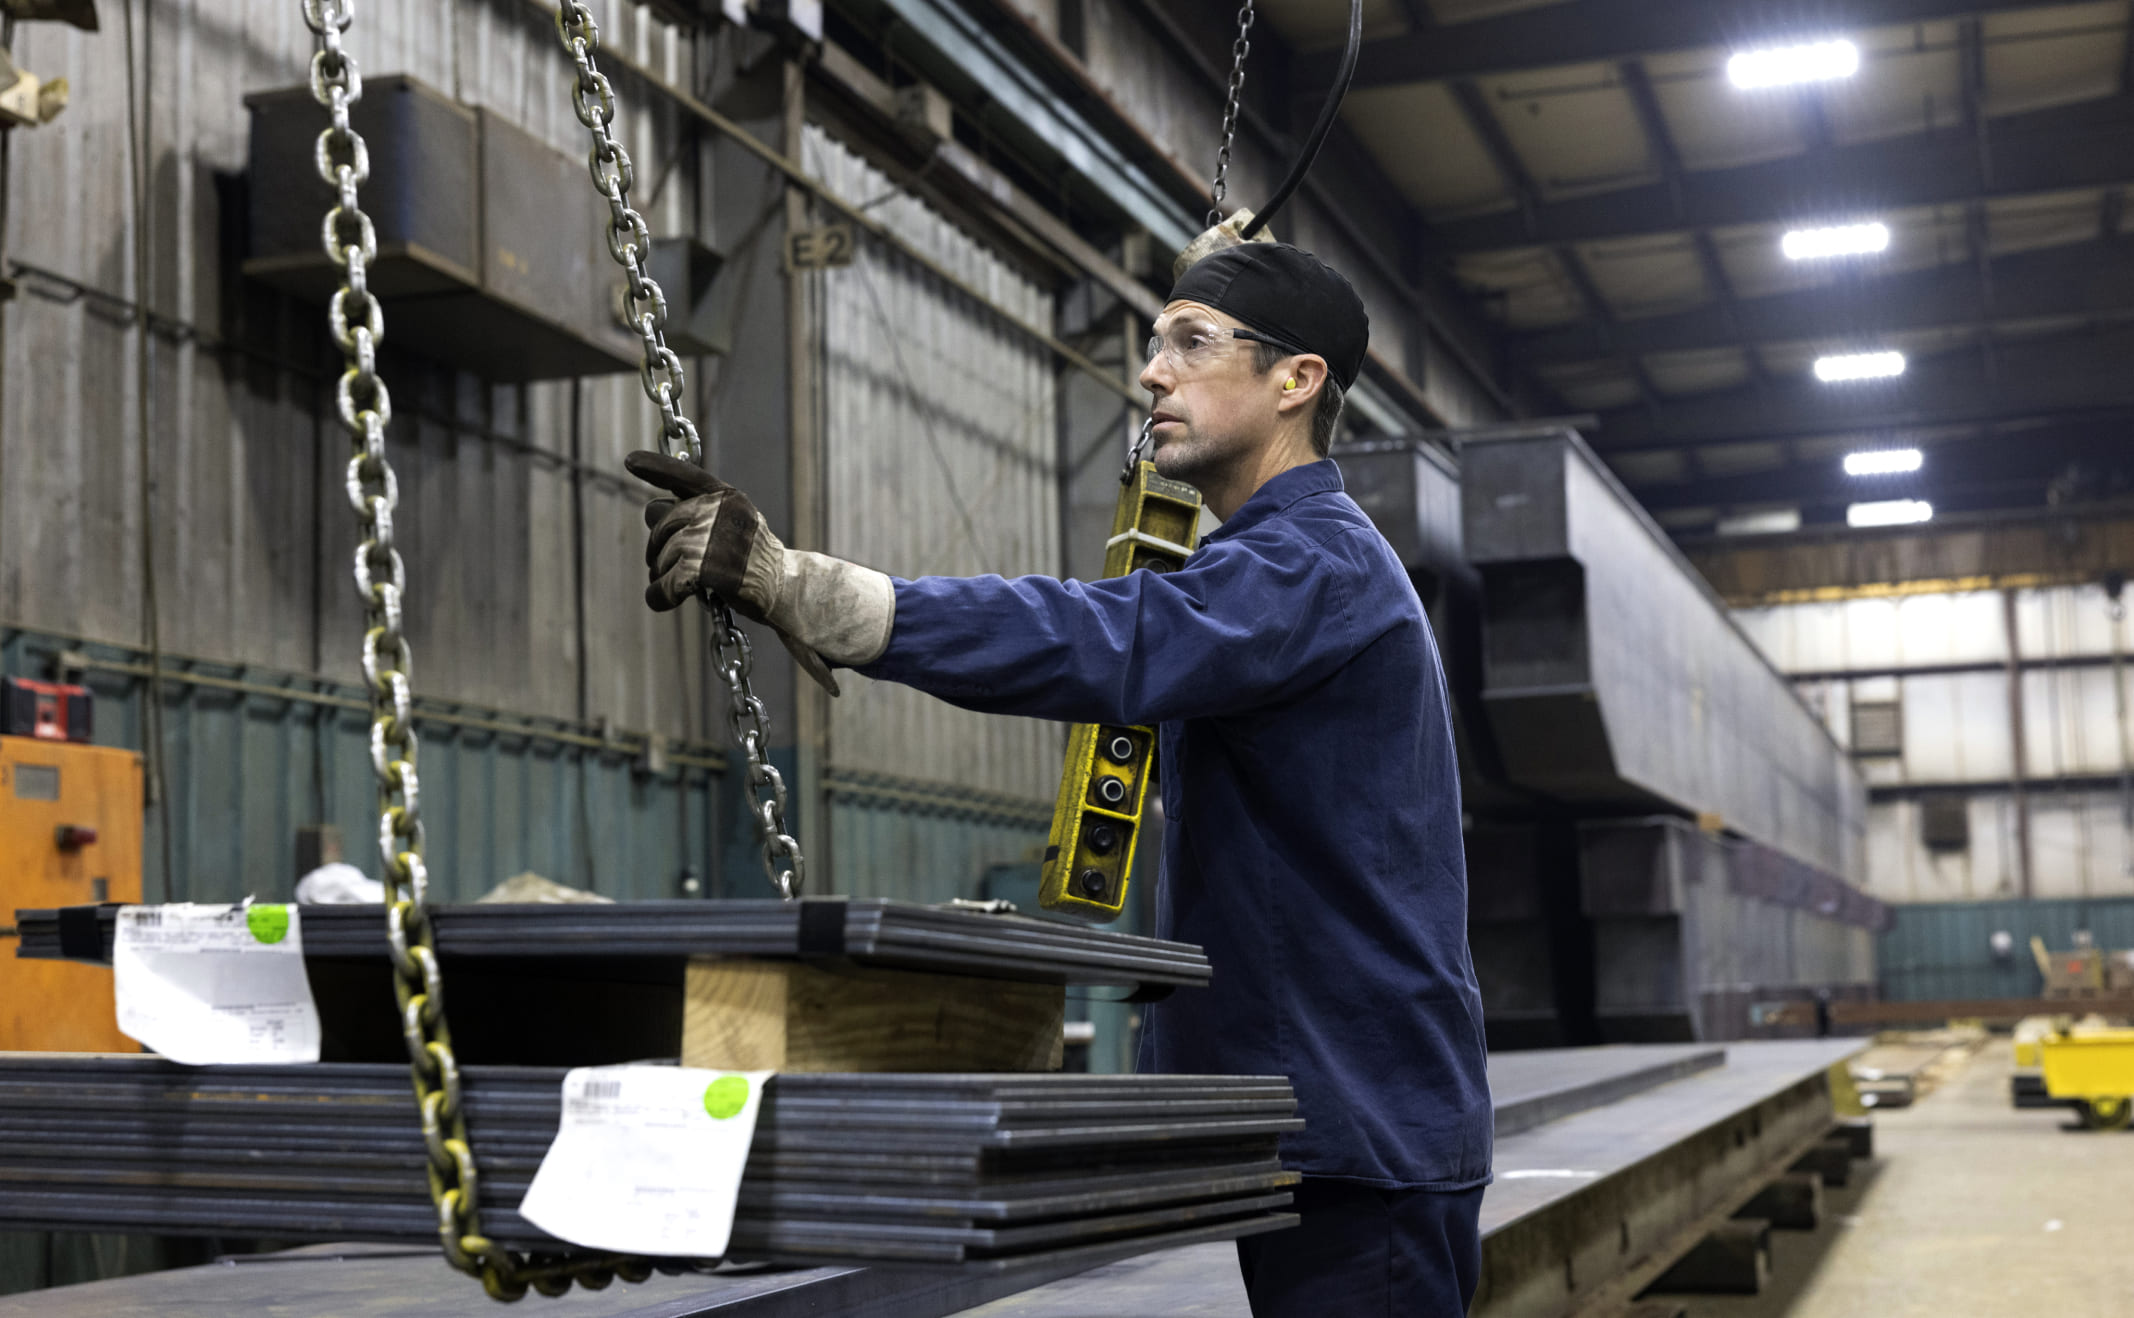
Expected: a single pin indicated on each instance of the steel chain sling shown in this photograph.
(1218, 190)
(357, 325)
(645, 309)
(1239, 49)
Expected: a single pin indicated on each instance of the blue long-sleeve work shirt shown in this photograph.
(1312, 807)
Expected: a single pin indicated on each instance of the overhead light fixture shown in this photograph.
(1770, 521)
(1784, 66)
(1835, 240)
(1859, 366)
(1882, 462)
(1889, 512)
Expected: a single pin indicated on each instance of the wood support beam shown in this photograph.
(800, 1016)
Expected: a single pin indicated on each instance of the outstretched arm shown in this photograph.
(1246, 622)
(1235, 629)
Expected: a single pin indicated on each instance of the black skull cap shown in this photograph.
(1286, 293)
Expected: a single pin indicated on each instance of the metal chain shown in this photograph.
(645, 308)
(357, 324)
(1238, 50)
(744, 718)
(1137, 449)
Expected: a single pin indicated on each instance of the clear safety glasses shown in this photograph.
(1191, 344)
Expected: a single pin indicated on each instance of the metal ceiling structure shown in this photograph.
(1586, 171)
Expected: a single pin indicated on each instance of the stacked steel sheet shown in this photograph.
(986, 1171)
(873, 931)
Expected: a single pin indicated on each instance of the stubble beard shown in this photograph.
(1192, 458)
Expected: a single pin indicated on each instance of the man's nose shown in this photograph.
(1156, 376)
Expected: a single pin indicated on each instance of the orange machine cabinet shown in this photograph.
(70, 832)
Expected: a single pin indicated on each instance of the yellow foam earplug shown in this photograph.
(1289, 384)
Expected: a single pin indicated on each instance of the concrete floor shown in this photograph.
(1971, 1209)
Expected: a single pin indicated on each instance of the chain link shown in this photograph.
(644, 306)
(744, 718)
(357, 324)
(1238, 50)
(645, 309)
(1138, 449)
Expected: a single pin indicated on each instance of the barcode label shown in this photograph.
(647, 1158)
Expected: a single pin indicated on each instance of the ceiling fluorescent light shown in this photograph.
(1836, 240)
(1889, 512)
(1784, 66)
(1770, 521)
(1859, 366)
(1882, 462)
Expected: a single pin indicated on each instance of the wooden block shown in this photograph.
(1793, 1202)
(803, 1016)
(1831, 1159)
(1735, 1259)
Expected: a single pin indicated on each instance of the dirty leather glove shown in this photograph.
(708, 536)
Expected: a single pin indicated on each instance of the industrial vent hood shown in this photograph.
(491, 255)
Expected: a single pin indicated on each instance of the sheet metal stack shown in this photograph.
(982, 1171)
(872, 931)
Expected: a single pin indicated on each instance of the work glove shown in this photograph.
(707, 536)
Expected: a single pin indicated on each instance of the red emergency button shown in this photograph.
(73, 837)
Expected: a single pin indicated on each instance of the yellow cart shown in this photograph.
(2095, 1070)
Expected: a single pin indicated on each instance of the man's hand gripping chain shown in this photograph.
(708, 536)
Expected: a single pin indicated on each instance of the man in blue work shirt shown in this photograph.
(1309, 784)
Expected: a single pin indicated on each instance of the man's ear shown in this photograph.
(1309, 372)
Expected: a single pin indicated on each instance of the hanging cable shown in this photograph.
(1317, 137)
(137, 129)
(2115, 612)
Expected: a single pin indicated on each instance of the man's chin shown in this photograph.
(1179, 462)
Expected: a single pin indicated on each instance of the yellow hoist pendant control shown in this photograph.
(1104, 784)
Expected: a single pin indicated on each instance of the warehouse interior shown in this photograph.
(1747, 407)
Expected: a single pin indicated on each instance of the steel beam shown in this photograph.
(2080, 543)
(1482, 120)
(1671, 1169)
(2083, 145)
(2064, 376)
(1854, 1015)
(1986, 460)
(1595, 30)
(2093, 279)
(1653, 121)
(1577, 581)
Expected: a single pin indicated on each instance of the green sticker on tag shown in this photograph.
(726, 1096)
(269, 924)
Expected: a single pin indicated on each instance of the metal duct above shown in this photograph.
(1613, 677)
(490, 248)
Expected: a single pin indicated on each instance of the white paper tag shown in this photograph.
(648, 1159)
(215, 984)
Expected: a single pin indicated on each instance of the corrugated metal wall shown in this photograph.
(1959, 732)
(257, 753)
(940, 453)
(251, 531)
(1942, 950)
